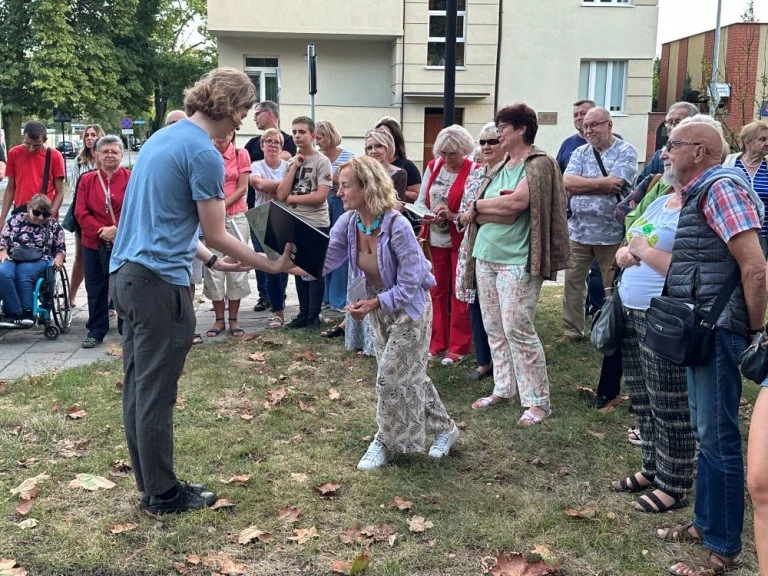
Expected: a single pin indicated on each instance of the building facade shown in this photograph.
(380, 58)
(686, 66)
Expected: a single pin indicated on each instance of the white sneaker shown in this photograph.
(375, 457)
(443, 442)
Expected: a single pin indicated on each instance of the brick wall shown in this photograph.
(655, 119)
(740, 68)
(709, 50)
(663, 78)
(682, 66)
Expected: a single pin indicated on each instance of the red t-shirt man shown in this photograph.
(24, 170)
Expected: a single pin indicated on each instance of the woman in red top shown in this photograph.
(99, 200)
(233, 286)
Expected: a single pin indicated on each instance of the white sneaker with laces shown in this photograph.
(443, 442)
(375, 457)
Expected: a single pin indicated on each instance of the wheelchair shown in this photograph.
(50, 304)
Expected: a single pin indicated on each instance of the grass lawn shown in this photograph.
(502, 488)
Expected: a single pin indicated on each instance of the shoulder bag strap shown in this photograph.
(602, 168)
(46, 170)
(722, 298)
(107, 197)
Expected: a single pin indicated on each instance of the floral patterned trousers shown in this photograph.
(508, 297)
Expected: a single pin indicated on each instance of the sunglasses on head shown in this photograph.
(43, 213)
(491, 142)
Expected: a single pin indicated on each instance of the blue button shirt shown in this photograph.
(176, 168)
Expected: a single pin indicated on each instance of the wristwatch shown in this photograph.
(212, 261)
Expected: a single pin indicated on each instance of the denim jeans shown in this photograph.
(479, 337)
(336, 280)
(714, 391)
(276, 284)
(17, 284)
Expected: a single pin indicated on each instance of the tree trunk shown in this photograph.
(12, 128)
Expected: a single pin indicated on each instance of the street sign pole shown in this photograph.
(715, 62)
(312, 69)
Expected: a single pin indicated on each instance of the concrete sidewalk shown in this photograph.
(26, 352)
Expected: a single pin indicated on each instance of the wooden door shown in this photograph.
(433, 123)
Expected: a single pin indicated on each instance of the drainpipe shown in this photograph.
(498, 59)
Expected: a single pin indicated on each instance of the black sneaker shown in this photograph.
(261, 305)
(297, 322)
(196, 487)
(185, 500)
(600, 401)
(314, 324)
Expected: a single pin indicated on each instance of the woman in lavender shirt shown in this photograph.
(379, 243)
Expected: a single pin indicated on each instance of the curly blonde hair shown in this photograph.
(378, 190)
(220, 93)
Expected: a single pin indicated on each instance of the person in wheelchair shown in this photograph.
(28, 243)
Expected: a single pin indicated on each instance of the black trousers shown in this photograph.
(610, 375)
(310, 295)
(159, 322)
(97, 287)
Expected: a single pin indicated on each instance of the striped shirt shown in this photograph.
(759, 185)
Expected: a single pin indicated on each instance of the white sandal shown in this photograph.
(529, 418)
(275, 323)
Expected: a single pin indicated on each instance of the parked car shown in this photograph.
(67, 149)
(136, 146)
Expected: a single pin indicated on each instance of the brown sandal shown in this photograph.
(680, 534)
(708, 563)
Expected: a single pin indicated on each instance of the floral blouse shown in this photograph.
(471, 189)
(19, 231)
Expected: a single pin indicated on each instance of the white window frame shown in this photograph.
(608, 85)
(606, 2)
(459, 39)
(263, 72)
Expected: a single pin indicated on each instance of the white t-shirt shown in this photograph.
(439, 234)
(262, 169)
(658, 225)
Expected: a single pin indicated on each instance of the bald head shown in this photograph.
(706, 134)
(692, 148)
(174, 116)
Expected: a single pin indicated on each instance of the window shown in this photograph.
(605, 2)
(437, 24)
(265, 75)
(604, 81)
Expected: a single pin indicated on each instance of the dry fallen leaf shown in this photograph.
(419, 524)
(289, 514)
(341, 567)
(253, 533)
(304, 407)
(75, 412)
(181, 568)
(2, 387)
(391, 539)
(598, 435)
(116, 351)
(334, 394)
(562, 471)
(545, 553)
(27, 462)
(25, 507)
(28, 486)
(91, 482)
(222, 503)
(120, 469)
(27, 524)
(298, 439)
(239, 479)
(461, 425)
(400, 504)
(194, 559)
(304, 355)
(302, 535)
(299, 477)
(257, 357)
(246, 417)
(583, 514)
(273, 397)
(328, 489)
(223, 564)
(120, 528)
(8, 568)
(515, 564)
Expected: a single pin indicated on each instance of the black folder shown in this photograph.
(275, 225)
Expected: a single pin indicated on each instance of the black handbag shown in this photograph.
(754, 360)
(608, 323)
(682, 333)
(30, 253)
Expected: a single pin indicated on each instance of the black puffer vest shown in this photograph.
(701, 265)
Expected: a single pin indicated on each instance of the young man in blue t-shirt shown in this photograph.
(176, 184)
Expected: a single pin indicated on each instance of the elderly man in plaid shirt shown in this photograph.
(717, 236)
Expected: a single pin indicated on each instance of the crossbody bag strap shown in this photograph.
(107, 197)
(722, 298)
(46, 171)
(602, 168)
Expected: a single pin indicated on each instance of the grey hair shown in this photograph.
(488, 130)
(109, 140)
(691, 109)
(707, 119)
(271, 106)
(454, 138)
(604, 112)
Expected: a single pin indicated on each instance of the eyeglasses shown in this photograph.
(373, 147)
(271, 143)
(586, 127)
(448, 154)
(110, 152)
(672, 144)
(257, 112)
(501, 127)
(43, 213)
(491, 142)
(672, 122)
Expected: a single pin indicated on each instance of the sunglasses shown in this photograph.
(491, 142)
(43, 213)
